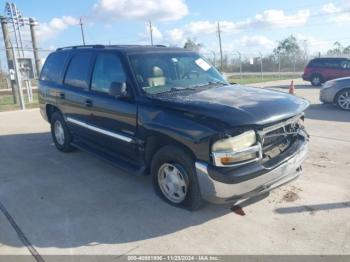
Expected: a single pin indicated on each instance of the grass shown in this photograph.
(6, 102)
(250, 79)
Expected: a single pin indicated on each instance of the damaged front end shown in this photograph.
(273, 159)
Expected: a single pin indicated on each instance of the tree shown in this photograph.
(337, 50)
(192, 45)
(288, 47)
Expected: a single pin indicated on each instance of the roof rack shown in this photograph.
(103, 46)
(80, 47)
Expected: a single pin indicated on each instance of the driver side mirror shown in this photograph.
(118, 89)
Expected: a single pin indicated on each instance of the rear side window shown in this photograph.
(325, 63)
(54, 66)
(78, 71)
(108, 69)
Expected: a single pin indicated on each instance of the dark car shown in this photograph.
(320, 70)
(167, 112)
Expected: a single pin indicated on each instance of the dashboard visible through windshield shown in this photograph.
(164, 72)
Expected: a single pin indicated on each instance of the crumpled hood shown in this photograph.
(237, 105)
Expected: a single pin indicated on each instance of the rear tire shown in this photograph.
(316, 80)
(342, 100)
(60, 133)
(175, 179)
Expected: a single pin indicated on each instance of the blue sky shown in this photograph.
(248, 26)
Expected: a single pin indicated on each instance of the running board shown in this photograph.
(112, 159)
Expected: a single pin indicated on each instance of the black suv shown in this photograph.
(167, 112)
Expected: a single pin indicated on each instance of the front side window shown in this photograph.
(78, 71)
(163, 72)
(108, 69)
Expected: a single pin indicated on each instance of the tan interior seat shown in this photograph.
(158, 78)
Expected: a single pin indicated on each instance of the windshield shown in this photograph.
(164, 72)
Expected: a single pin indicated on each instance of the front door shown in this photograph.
(114, 119)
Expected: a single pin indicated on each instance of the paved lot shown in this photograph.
(77, 204)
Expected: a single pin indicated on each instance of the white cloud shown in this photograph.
(257, 42)
(201, 27)
(112, 10)
(330, 8)
(54, 27)
(176, 36)
(157, 35)
(267, 19)
(338, 14)
(277, 19)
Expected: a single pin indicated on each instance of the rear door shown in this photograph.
(331, 68)
(113, 118)
(74, 96)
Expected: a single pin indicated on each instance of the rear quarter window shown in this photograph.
(54, 67)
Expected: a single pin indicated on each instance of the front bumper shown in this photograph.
(264, 179)
(327, 95)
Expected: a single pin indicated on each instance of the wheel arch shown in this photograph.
(50, 109)
(155, 142)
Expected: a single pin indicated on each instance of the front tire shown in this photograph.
(343, 100)
(60, 133)
(174, 178)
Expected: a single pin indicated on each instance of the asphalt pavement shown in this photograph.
(56, 203)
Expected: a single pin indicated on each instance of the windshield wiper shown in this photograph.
(212, 83)
(180, 88)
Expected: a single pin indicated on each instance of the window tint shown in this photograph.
(108, 69)
(54, 66)
(326, 63)
(78, 71)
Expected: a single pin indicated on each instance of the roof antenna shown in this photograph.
(82, 30)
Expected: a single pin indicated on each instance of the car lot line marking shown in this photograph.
(21, 235)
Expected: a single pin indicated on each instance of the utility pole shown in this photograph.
(10, 11)
(219, 35)
(240, 64)
(82, 30)
(261, 65)
(151, 31)
(18, 80)
(32, 24)
(10, 58)
(18, 21)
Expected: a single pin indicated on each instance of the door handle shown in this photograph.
(88, 103)
(62, 96)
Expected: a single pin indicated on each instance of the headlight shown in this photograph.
(328, 84)
(234, 150)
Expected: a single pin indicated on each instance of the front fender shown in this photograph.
(179, 126)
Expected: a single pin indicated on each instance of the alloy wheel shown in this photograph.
(344, 100)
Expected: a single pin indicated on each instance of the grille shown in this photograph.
(278, 138)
